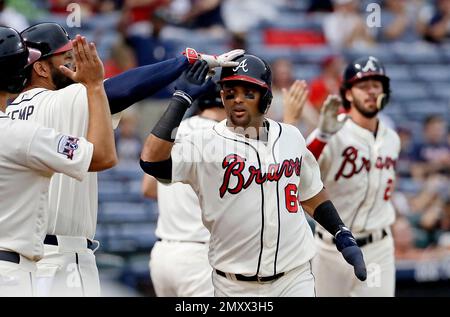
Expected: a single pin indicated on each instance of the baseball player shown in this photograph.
(179, 260)
(31, 154)
(357, 159)
(249, 173)
(51, 99)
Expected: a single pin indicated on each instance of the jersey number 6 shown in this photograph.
(290, 194)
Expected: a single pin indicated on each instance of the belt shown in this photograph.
(9, 256)
(254, 278)
(167, 240)
(53, 240)
(360, 241)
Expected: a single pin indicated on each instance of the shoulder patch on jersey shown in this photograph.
(67, 145)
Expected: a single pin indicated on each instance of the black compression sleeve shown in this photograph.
(170, 120)
(327, 216)
(161, 170)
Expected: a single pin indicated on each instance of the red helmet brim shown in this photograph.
(246, 79)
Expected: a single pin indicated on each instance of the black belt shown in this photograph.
(360, 241)
(9, 256)
(53, 240)
(254, 278)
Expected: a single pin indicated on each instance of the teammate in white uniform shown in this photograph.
(179, 261)
(68, 267)
(29, 157)
(357, 160)
(249, 173)
(65, 110)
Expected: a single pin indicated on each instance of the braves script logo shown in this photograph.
(235, 164)
(243, 65)
(349, 167)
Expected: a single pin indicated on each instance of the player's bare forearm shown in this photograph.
(149, 187)
(156, 149)
(323, 211)
(100, 131)
(311, 204)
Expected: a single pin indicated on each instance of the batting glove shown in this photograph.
(192, 83)
(329, 121)
(224, 60)
(346, 244)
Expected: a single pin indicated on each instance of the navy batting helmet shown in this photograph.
(15, 56)
(362, 69)
(254, 70)
(49, 38)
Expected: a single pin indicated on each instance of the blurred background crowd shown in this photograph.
(302, 39)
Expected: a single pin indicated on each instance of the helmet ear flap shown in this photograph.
(265, 102)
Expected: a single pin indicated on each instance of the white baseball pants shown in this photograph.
(68, 269)
(181, 269)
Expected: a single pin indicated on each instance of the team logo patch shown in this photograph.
(243, 65)
(67, 145)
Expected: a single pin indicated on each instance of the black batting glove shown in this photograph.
(192, 83)
(346, 244)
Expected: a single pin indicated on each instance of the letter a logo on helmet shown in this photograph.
(370, 66)
(243, 65)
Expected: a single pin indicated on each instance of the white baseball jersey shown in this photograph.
(29, 156)
(72, 204)
(248, 192)
(180, 217)
(358, 171)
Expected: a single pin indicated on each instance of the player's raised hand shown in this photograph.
(294, 100)
(223, 60)
(346, 244)
(193, 82)
(89, 68)
(329, 121)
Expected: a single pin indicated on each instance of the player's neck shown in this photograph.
(3, 100)
(370, 124)
(258, 130)
(216, 114)
(39, 84)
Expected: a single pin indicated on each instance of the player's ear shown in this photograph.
(348, 95)
(42, 69)
(222, 95)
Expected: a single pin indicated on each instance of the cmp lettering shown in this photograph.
(22, 114)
